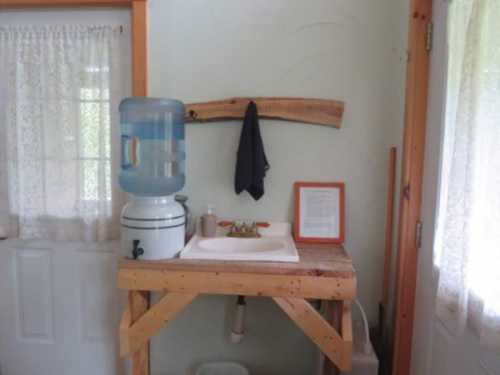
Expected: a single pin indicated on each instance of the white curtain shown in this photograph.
(468, 235)
(60, 90)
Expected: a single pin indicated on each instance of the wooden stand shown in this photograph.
(324, 272)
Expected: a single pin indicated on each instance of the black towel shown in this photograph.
(251, 164)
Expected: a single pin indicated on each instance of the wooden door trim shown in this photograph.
(411, 183)
(65, 3)
(139, 48)
(138, 13)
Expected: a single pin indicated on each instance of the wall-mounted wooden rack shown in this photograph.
(310, 111)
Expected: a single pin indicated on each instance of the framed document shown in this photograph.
(319, 212)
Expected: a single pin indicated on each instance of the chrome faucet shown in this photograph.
(243, 230)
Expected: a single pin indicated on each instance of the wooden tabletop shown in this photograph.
(315, 260)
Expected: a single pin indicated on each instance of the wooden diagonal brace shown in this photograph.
(319, 331)
(126, 320)
(138, 304)
(147, 325)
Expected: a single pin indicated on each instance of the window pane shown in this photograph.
(95, 130)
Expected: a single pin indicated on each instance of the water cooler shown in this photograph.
(152, 171)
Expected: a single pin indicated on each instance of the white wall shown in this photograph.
(348, 50)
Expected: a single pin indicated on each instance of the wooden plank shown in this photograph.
(139, 48)
(237, 283)
(312, 111)
(412, 177)
(138, 305)
(389, 224)
(318, 330)
(125, 323)
(339, 315)
(379, 336)
(346, 324)
(315, 260)
(126, 320)
(64, 3)
(153, 320)
(333, 314)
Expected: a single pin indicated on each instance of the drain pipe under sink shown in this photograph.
(238, 328)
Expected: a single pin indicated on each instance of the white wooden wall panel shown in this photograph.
(34, 336)
(98, 295)
(60, 309)
(34, 299)
(99, 310)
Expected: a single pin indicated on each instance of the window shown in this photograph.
(468, 237)
(63, 87)
(95, 141)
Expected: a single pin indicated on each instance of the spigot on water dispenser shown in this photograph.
(136, 250)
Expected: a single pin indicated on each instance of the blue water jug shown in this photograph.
(152, 146)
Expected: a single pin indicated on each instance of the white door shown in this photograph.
(59, 310)
(59, 304)
(436, 351)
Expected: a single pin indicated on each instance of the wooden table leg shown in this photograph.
(333, 312)
(326, 335)
(139, 304)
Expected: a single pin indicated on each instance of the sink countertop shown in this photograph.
(315, 260)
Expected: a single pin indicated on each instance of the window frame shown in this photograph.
(138, 13)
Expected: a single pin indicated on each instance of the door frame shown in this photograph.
(417, 81)
(138, 13)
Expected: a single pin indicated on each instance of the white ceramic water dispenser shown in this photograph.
(152, 171)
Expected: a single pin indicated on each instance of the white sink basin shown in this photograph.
(236, 245)
(271, 247)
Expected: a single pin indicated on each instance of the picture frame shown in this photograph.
(319, 212)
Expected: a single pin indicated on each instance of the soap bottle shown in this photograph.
(209, 222)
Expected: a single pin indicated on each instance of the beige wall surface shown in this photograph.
(353, 51)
